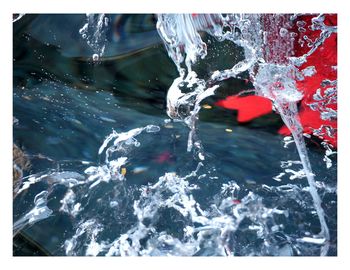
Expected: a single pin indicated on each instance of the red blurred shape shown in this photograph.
(163, 157)
(236, 201)
(249, 107)
(324, 59)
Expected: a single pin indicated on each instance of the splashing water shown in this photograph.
(180, 33)
(39, 212)
(168, 215)
(186, 107)
(112, 169)
(268, 59)
(94, 32)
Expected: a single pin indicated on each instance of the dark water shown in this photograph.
(66, 104)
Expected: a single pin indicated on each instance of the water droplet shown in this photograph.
(106, 21)
(201, 156)
(283, 32)
(152, 128)
(95, 57)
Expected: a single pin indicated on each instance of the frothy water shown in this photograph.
(271, 66)
(217, 226)
(111, 216)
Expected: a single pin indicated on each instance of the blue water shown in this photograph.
(66, 105)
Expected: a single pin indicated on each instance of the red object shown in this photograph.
(249, 107)
(324, 59)
(163, 157)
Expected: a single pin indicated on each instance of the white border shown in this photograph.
(174, 6)
(179, 6)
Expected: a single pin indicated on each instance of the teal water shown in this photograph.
(66, 105)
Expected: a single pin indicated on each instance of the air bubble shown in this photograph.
(95, 57)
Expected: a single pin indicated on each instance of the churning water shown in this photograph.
(121, 179)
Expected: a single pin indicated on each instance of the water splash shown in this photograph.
(39, 212)
(326, 31)
(185, 107)
(205, 232)
(329, 152)
(268, 57)
(277, 83)
(68, 204)
(180, 33)
(112, 168)
(166, 217)
(94, 32)
(89, 230)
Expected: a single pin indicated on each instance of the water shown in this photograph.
(111, 174)
(94, 32)
(272, 75)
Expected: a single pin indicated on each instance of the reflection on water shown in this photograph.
(159, 199)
